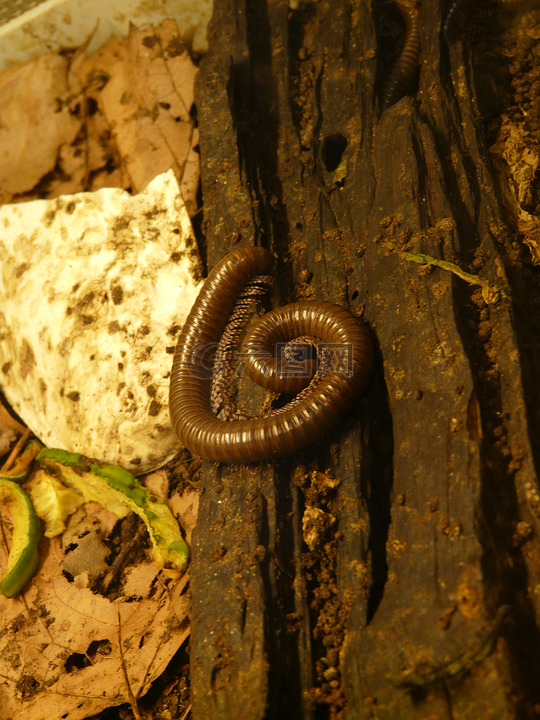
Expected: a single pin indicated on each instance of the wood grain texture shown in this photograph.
(313, 580)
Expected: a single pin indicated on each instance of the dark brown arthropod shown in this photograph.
(308, 417)
(402, 77)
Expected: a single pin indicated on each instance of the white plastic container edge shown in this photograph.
(55, 24)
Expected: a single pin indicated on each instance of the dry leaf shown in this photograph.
(66, 651)
(8, 422)
(118, 118)
(7, 438)
(84, 543)
(146, 98)
(35, 120)
(10, 429)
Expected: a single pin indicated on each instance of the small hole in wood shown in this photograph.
(332, 150)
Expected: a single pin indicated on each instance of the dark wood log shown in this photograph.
(321, 582)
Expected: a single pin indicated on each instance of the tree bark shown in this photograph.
(365, 578)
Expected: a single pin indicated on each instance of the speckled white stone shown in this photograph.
(94, 290)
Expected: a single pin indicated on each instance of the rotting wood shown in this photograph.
(426, 496)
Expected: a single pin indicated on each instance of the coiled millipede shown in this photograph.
(309, 416)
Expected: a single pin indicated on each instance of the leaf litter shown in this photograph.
(71, 123)
(68, 650)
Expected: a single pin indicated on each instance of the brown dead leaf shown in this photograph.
(10, 430)
(67, 651)
(7, 438)
(35, 120)
(146, 101)
(8, 422)
(83, 542)
(117, 118)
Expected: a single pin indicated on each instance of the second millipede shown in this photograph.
(310, 417)
(404, 72)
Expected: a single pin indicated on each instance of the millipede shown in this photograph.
(310, 415)
(402, 77)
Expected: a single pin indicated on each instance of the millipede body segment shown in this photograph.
(310, 416)
(402, 76)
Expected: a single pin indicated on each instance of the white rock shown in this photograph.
(94, 290)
